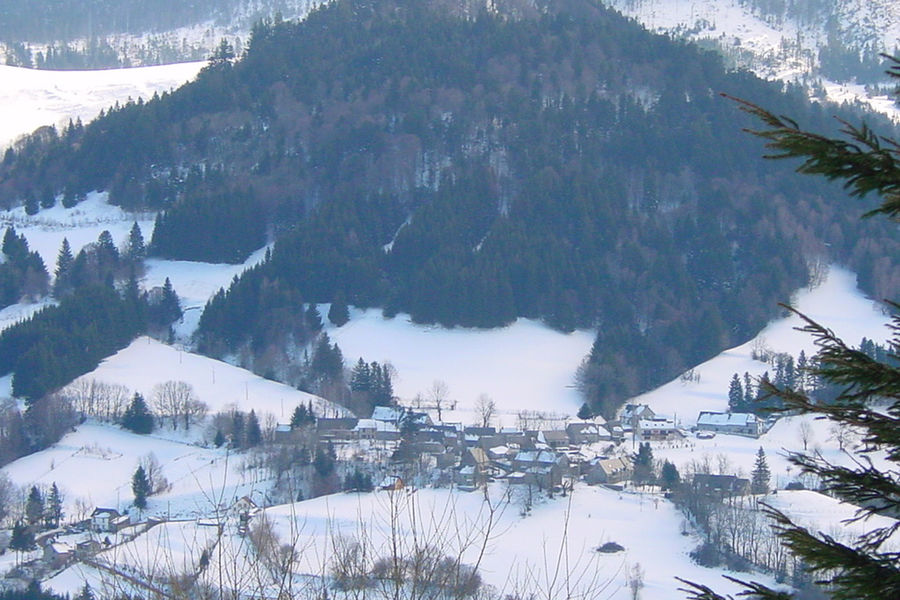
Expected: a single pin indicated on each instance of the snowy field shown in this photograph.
(560, 533)
(33, 98)
(93, 467)
(147, 362)
(524, 366)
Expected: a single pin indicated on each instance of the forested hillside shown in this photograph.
(559, 164)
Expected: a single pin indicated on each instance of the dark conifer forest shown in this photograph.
(562, 165)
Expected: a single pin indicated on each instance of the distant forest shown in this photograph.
(469, 170)
(67, 20)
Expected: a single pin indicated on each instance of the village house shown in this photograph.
(336, 429)
(103, 519)
(633, 413)
(554, 438)
(542, 468)
(57, 554)
(720, 486)
(586, 433)
(659, 428)
(746, 424)
(604, 470)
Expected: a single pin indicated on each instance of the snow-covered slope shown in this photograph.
(147, 362)
(780, 46)
(32, 98)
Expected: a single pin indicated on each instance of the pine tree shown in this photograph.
(735, 395)
(34, 506)
(643, 464)
(53, 511)
(140, 487)
(339, 312)
(670, 476)
(759, 478)
(864, 567)
(86, 592)
(585, 413)
(64, 263)
(137, 417)
(22, 538)
(135, 249)
(254, 433)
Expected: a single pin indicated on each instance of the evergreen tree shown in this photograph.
(219, 438)
(643, 464)
(585, 413)
(140, 487)
(53, 511)
(137, 417)
(34, 506)
(254, 433)
(864, 567)
(313, 318)
(670, 476)
(748, 391)
(32, 206)
(64, 262)
(361, 377)
(759, 478)
(238, 436)
(22, 538)
(86, 593)
(301, 417)
(135, 250)
(339, 312)
(735, 395)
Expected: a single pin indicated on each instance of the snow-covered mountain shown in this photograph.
(830, 45)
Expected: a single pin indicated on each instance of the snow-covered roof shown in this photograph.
(387, 413)
(536, 456)
(726, 419)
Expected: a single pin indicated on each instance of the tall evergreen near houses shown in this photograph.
(140, 487)
(137, 417)
(863, 567)
(761, 475)
(34, 506)
(735, 395)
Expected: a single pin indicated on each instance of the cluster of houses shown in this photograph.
(649, 426)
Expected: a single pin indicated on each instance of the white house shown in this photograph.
(734, 423)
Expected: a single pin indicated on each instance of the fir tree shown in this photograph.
(22, 538)
(339, 312)
(254, 433)
(137, 417)
(64, 262)
(643, 464)
(140, 487)
(34, 506)
(237, 429)
(86, 592)
(735, 395)
(670, 476)
(53, 511)
(759, 478)
(864, 567)
(585, 413)
(135, 249)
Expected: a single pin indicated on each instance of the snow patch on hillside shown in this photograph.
(147, 362)
(33, 98)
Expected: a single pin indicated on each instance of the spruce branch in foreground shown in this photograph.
(867, 566)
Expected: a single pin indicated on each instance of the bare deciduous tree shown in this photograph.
(176, 400)
(485, 409)
(806, 433)
(439, 395)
